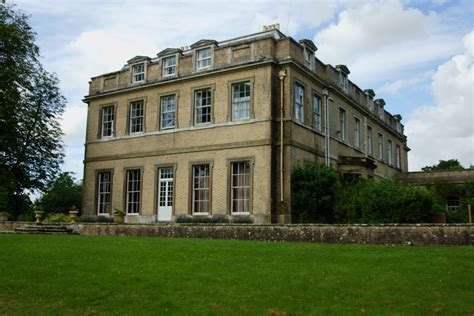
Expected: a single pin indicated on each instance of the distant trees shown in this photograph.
(61, 193)
(31, 105)
(445, 165)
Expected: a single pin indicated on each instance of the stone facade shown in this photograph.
(224, 124)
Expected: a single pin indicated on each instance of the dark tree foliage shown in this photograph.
(61, 194)
(313, 193)
(31, 105)
(445, 165)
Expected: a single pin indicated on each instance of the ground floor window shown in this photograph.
(201, 189)
(240, 187)
(453, 203)
(104, 192)
(133, 191)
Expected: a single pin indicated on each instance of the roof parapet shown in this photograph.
(369, 92)
(380, 102)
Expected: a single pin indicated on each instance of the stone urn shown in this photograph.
(73, 214)
(38, 215)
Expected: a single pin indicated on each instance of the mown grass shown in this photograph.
(45, 274)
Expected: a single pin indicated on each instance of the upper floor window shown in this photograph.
(138, 73)
(240, 100)
(381, 151)
(169, 66)
(107, 118)
(390, 152)
(317, 112)
(357, 132)
(136, 117)
(202, 106)
(203, 58)
(168, 111)
(299, 102)
(342, 124)
(398, 162)
(369, 141)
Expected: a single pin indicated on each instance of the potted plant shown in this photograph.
(119, 216)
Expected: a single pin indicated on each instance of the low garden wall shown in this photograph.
(389, 234)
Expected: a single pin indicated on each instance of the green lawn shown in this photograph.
(45, 274)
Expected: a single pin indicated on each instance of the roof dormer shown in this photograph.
(343, 73)
(308, 52)
(138, 67)
(203, 54)
(204, 43)
(381, 112)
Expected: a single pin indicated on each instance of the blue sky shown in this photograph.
(416, 55)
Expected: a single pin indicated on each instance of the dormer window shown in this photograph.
(370, 103)
(381, 112)
(343, 81)
(308, 58)
(203, 58)
(169, 66)
(138, 73)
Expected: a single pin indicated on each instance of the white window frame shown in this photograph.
(101, 194)
(169, 70)
(203, 62)
(342, 124)
(196, 189)
(164, 111)
(398, 162)
(243, 101)
(200, 106)
(136, 119)
(107, 118)
(317, 112)
(299, 102)
(138, 76)
(130, 196)
(245, 187)
(381, 146)
(370, 147)
(390, 152)
(357, 132)
(343, 81)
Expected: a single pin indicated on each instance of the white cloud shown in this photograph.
(379, 40)
(445, 130)
(396, 86)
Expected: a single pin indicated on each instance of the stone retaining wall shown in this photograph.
(394, 234)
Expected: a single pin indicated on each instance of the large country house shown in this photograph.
(216, 128)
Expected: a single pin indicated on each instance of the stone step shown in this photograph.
(44, 229)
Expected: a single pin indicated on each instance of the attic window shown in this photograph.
(203, 58)
(138, 73)
(370, 103)
(308, 62)
(343, 81)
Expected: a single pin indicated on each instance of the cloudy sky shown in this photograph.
(417, 55)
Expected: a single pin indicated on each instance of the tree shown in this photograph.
(445, 165)
(313, 193)
(61, 193)
(31, 105)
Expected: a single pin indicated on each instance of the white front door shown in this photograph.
(165, 193)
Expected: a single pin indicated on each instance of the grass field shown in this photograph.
(45, 274)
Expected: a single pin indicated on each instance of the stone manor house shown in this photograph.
(216, 128)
